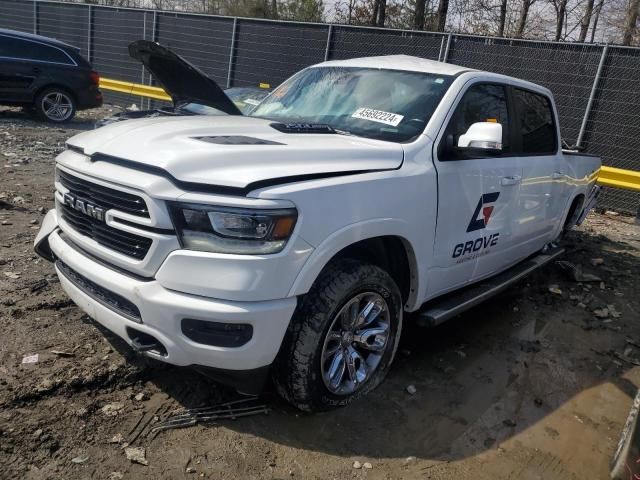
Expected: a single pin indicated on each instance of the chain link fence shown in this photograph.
(596, 87)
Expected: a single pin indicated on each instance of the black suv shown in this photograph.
(47, 75)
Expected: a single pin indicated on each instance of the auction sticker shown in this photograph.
(379, 116)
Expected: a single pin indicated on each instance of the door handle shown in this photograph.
(510, 180)
(557, 175)
(36, 71)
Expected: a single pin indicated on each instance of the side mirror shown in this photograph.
(482, 136)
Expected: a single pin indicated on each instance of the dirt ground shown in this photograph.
(534, 384)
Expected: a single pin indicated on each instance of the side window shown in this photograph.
(13, 48)
(26, 50)
(481, 103)
(535, 123)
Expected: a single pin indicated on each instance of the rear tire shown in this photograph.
(342, 338)
(54, 104)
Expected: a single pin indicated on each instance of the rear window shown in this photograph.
(12, 47)
(536, 123)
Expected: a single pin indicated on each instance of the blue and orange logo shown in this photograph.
(484, 209)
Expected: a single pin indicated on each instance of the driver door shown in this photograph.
(477, 193)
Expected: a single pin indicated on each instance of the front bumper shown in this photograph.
(162, 311)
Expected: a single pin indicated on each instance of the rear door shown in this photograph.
(15, 81)
(543, 183)
(16, 75)
(475, 207)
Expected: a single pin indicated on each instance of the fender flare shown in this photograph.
(353, 233)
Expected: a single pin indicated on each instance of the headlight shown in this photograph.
(232, 230)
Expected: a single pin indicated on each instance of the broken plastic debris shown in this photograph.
(601, 312)
(230, 410)
(554, 289)
(112, 409)
(30, 359)
(613, 312)
(576, 273)
(137, 455)
(63, 354)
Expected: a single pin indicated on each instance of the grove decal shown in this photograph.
(471, 249)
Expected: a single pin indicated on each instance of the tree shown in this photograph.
(419, 14)
(630, 20)
(596, 17)
(522, 20)
(560, 7)
(382, 12)
(585, 21)
(343, 11)
(379, 13)
(300, 10)
(503, 17)
(441, 16)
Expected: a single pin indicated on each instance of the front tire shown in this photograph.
(619, 469)
(55, 105)
(342, 338)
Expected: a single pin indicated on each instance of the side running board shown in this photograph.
(448, 306)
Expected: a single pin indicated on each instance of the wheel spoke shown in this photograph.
(369, 313)
(333, 343)
(336, 369)
(374, 339)
(356, 366)
(348, 316)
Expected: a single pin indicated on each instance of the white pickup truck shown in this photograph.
(294, 240)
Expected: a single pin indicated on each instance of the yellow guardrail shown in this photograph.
(619, 178)
(609, 176)
(134, 89)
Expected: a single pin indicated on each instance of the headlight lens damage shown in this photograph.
(209, 228)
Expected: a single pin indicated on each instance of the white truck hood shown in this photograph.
(242, 151)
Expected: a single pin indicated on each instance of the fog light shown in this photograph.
(217, 334)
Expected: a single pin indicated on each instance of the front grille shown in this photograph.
(122, 242)
(105, 197)
(115, 239)
(100, 294)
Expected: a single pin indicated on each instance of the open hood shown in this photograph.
(182, 81)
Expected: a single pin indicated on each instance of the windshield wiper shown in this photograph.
(344, 132)
(182, 108)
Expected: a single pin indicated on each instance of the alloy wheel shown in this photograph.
(57, 106)
(355, 343)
